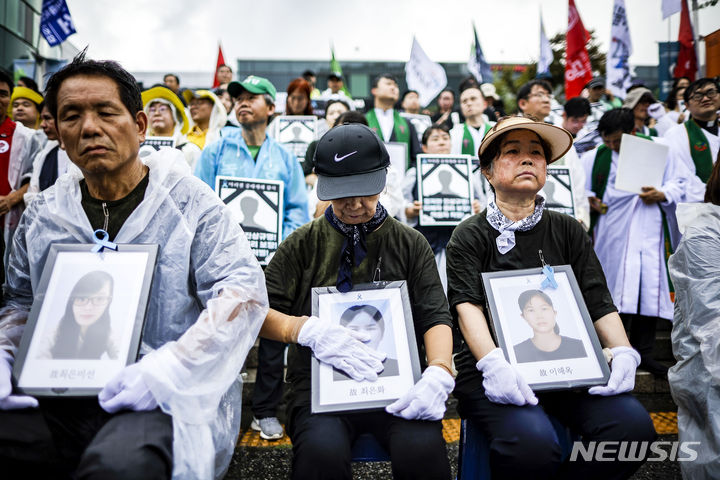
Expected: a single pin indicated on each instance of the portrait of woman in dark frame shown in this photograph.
(368, 320)
(84, 331)
(537, 309)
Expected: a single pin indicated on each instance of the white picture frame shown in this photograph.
(387, 304)
(445, 189)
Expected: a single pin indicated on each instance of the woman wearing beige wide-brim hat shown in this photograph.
(507, 236)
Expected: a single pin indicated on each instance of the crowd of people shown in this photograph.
(76, 159)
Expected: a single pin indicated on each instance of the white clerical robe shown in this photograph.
(629, 241)
(677, 139)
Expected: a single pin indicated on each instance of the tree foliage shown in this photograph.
(508, 82)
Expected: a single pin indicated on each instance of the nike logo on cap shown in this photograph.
(340, 159)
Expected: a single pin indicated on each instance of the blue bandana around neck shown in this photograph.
(354, 248)
(507, 228)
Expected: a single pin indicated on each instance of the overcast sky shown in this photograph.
(182, 35)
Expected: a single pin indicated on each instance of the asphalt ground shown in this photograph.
(259, 459)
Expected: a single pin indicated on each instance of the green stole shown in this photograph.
(400, 128)
(599, 179)
(468, 144)
(699, 150)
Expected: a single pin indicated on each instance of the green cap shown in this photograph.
(253, 84)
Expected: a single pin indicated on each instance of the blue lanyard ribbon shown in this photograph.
(102, 241)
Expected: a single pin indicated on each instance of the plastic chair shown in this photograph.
(474, 451)
(367, 449)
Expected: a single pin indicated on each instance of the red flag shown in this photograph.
(577, 61)
(686, 65)
(220, 62)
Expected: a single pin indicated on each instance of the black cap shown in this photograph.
(335, 76)
(350, 161)
(596, 82)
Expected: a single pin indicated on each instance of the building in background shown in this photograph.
(22, 48)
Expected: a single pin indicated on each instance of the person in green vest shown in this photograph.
(638, 100)
(632, 235)
(696, 143)
(465, 137)
(386, 122)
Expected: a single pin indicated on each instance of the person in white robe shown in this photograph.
(631, 239)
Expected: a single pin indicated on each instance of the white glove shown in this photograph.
(426, 399)
(656, 110)
(504, 384)
(625, 361)
(7, 400)
(342, 348)
(127, 391)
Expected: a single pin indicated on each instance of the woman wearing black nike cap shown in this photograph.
(355, 242)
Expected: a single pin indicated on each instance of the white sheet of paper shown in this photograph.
(641, 164)
(398, 157)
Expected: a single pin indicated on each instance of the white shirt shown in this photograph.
(386, 121)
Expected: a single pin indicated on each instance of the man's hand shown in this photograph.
(7, 400)
(476, 207)
(651, 195)
(4, 205)
(127, 391)
(596, 204)
(413, 211)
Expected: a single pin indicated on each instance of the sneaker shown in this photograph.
(269, 428)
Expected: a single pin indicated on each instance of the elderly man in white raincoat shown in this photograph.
(177, 410)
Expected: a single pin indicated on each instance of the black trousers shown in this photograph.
(75, 438)
(523, 443)
(642, 332)
(268, 389)
(322, 444)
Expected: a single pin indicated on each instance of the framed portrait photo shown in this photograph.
(382, 310)
(546, 333)
(258, 206)
(444, 189)
(296, 132)
(558, 191)
(86, 320)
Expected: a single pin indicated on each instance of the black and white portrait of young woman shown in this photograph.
(369, 320)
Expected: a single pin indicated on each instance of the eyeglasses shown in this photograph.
(159, 109)
(542, 95)
(94, 301)
(698, 96)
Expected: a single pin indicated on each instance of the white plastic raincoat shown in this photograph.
(208, 300)
(695, 378)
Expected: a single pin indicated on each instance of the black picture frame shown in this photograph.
(503, 291)
(36, 370)
(333, 392)
(264, 236)
(442, 208)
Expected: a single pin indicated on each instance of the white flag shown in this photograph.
(670, 7)
(617, 67)
(423, 75)
(546, 53)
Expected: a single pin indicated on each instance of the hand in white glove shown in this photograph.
(127, 391)
(426, 399)
(504, 384)
(656, 110)
(342, 348)
(625, 361)
(7, 400)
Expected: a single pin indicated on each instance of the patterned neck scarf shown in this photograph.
(507, 228)
(354, 248)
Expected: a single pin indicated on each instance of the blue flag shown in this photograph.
(55, 23)
(477, 64)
